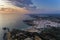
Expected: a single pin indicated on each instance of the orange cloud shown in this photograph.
(7, 7)
(12, 9)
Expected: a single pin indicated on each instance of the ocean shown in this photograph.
(12, 21)
(16, 21)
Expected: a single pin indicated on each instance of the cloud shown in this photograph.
(18, 6)
(8, 7)
(13, 9)
(23, 3)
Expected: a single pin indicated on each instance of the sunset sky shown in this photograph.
(33, 6)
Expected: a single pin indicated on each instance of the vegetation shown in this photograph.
(51, 33)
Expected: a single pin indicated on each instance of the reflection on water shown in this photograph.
(11, 21)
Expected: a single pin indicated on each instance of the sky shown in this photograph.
(47, 5)
(54, 4)
(34, 6)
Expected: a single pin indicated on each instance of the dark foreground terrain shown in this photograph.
(51, 33)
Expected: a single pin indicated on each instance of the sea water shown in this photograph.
(12, 21)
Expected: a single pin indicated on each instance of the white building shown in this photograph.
(45, 23)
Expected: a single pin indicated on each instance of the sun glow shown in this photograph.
(8, 7)
(2, 2)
